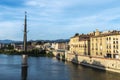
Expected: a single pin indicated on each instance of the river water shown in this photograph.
(44, 68)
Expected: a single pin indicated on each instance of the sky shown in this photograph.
(57, 19)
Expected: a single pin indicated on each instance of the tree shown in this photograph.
(77, 34)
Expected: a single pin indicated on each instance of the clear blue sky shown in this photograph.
(57, 19)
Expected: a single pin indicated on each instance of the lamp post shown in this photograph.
(24, 55)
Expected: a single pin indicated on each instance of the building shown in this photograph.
(2, 45)
(80, 44)
(60, 49)
(99, 50)
(96, 44)
(60, 45)
(105, 44)
(18, 48)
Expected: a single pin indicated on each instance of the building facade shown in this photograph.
(80, 44)
(60, 49)
(105, 44)
(96, 44)
(97, 49)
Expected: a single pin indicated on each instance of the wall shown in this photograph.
(100, 63)
(60, 54)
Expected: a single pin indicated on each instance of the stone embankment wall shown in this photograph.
(60, 55)
(100, 63)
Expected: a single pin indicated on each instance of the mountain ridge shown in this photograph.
(8, 41)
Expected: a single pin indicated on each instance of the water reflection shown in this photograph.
(24, 73)
(10, 67)
(78, 72)
(43, 68)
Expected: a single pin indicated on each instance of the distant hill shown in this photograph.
(7, 41)
(61, 40)
(51, 41)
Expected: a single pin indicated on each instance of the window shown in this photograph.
(113, 38)
(109, 38)
(96, 53)
(116, 46)
(109, 55)
(116, 42)
(107, 51)
(113, 42)
(96, 48)
(114, 51)
(100, 53)
(109, 47)
(96, 44)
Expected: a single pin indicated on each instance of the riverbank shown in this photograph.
(96, 62)
(106, 64)
(34, 53)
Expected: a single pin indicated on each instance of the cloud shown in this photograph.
(31, 3)
(105, 16)
(10, 30)
(61, 23)
(58, 18)
(58, 3)
(94, 2)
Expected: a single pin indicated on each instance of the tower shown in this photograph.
(24, 55)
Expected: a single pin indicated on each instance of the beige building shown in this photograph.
(105, 44)
(97, 49)
(80, 44)
(60, 46)
(60, 49)
(96, 44)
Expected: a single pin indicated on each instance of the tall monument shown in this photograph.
(25, 56)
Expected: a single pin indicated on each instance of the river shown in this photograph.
(44, 68)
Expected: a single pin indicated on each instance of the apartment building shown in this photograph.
(105, 44)
(80, 44)
(96, 44)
